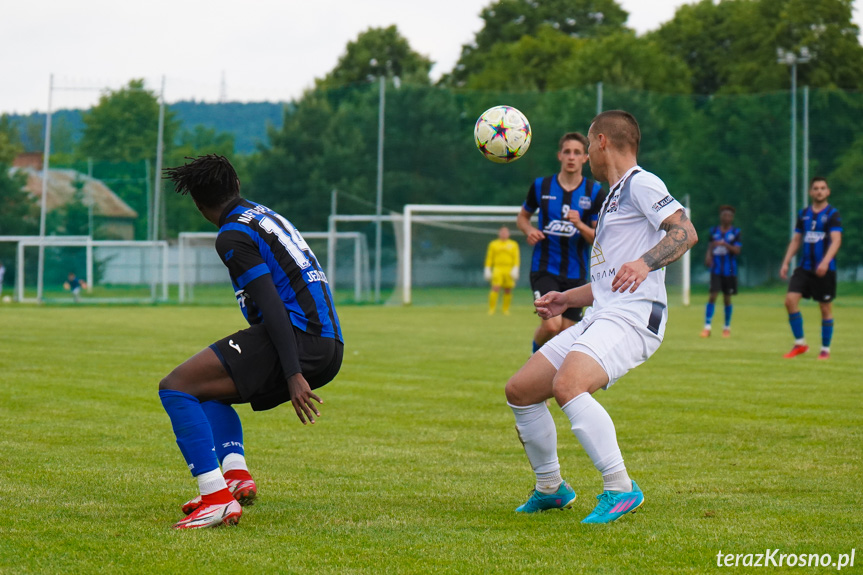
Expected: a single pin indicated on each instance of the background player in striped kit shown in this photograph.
(819, 230)
(293, 345)
(721, 259)
(568, 205)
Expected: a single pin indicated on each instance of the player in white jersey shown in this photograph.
(641, 229)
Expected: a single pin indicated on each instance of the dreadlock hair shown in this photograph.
(211, 180)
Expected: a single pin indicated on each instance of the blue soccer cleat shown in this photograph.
(615, 504)
(560, 499)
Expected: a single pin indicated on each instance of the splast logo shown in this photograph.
(560, 228)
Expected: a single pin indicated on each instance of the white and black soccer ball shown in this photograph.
(502, 134)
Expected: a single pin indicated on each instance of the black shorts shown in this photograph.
(724, 284)
(810, 286)
(257, 371)
(543, 282)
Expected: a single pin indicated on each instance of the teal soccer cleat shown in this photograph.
(615, 504)
(560, 499)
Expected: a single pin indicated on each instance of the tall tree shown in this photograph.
(378, 52)
(17, 215)
(551, 60)
(120, 135)
(123, 126)
(180, 212)
(730, 46)
(507, 21)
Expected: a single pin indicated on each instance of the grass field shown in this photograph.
(414, 466)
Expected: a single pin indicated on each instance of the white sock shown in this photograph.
(618, 481)
(801, 341)
(234, 461)
(535, 427)
(594, 429)
(211, 481)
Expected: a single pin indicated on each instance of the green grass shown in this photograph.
(415, 466)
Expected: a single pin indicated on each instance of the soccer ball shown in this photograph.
(502, 134)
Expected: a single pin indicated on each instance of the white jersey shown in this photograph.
(628, 227)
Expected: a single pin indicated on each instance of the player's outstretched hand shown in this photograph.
(550, 305)
(301, 398)
(629, 276)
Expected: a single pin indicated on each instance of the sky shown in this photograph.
(261, 50)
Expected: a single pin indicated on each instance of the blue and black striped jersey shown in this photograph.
(253, 241)
(724, 262)
(563, 252)
(815, 227)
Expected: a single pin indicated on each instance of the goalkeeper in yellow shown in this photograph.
(501, 269)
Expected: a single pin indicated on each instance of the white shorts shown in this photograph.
(616, 343)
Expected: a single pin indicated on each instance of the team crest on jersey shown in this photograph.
(613, 204)
(584, 202)
(560, 228)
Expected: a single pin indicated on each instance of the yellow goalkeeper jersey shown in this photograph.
(502, 254)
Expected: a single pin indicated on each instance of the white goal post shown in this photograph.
(467, 213)
(444, 213)
(150, 263)
(361, 250)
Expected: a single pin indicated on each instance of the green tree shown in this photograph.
(552, 60)
(77, 213)
(181, 215)
(378, 52)
(507, 21)
(18, 215)
(123, 126)
(730, 46)
(122, 130)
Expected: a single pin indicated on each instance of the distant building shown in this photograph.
(112, 216)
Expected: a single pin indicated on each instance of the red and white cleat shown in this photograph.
(191, 505)
(243, 490)
(213, 515)
(796, 350)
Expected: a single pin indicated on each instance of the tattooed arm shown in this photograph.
(680, 235)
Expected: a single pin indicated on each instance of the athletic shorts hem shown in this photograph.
(543, 282)
(253, 364)
(810, 286)
(618, 344)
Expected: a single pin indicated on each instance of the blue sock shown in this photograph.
(194, 436)
(226, 426)
(796, 321)
(536, 347)
(708, 313)
(728, 310)
(826, 332)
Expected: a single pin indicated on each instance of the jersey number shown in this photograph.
(292, 240)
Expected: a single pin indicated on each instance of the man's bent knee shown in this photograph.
(513, 392)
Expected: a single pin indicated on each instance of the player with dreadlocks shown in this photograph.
(293, 345)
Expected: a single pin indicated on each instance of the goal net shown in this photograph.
(444, 246)
(203, 278)
(113, 271)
